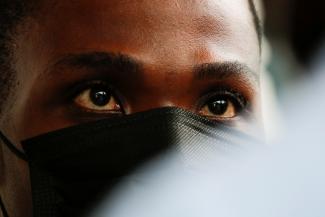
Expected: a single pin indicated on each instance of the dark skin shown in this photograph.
(133, 56)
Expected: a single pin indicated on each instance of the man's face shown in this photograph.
(84, 60)
(147, 54)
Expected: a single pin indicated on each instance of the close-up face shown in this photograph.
(80, 61)
(84, 60)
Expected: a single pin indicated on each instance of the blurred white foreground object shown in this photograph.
(286, 180)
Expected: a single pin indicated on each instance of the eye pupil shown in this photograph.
(100, 97)
(218, 106)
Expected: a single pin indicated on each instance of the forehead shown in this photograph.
(169, 32)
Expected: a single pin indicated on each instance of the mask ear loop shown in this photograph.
(19, 154)
(3, 209)
(13, 148)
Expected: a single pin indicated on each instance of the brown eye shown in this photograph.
(98, 99)
(221, 107)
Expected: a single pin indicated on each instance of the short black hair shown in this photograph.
(13, 12)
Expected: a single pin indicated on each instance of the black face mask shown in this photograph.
(72, 168)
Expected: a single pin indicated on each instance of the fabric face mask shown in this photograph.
(71, 169)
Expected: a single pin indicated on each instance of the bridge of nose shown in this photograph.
(159, 88)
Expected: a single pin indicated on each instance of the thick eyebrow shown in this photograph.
(100, 60)
(224, 70)
(127, 64)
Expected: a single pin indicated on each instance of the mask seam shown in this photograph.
(56, 135)
(209, 132)
(102, 125)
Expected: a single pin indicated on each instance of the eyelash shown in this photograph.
(80, 87)
(240, 102)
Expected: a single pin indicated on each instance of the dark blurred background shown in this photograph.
(295, 30)
(300, 22)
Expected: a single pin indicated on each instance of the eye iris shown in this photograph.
(219, 106)
(100, 97)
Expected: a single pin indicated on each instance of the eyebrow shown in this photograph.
(126, 64)
(101, 60)
(225, 70)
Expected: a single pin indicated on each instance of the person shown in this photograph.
(267, 182)
(65, 63)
